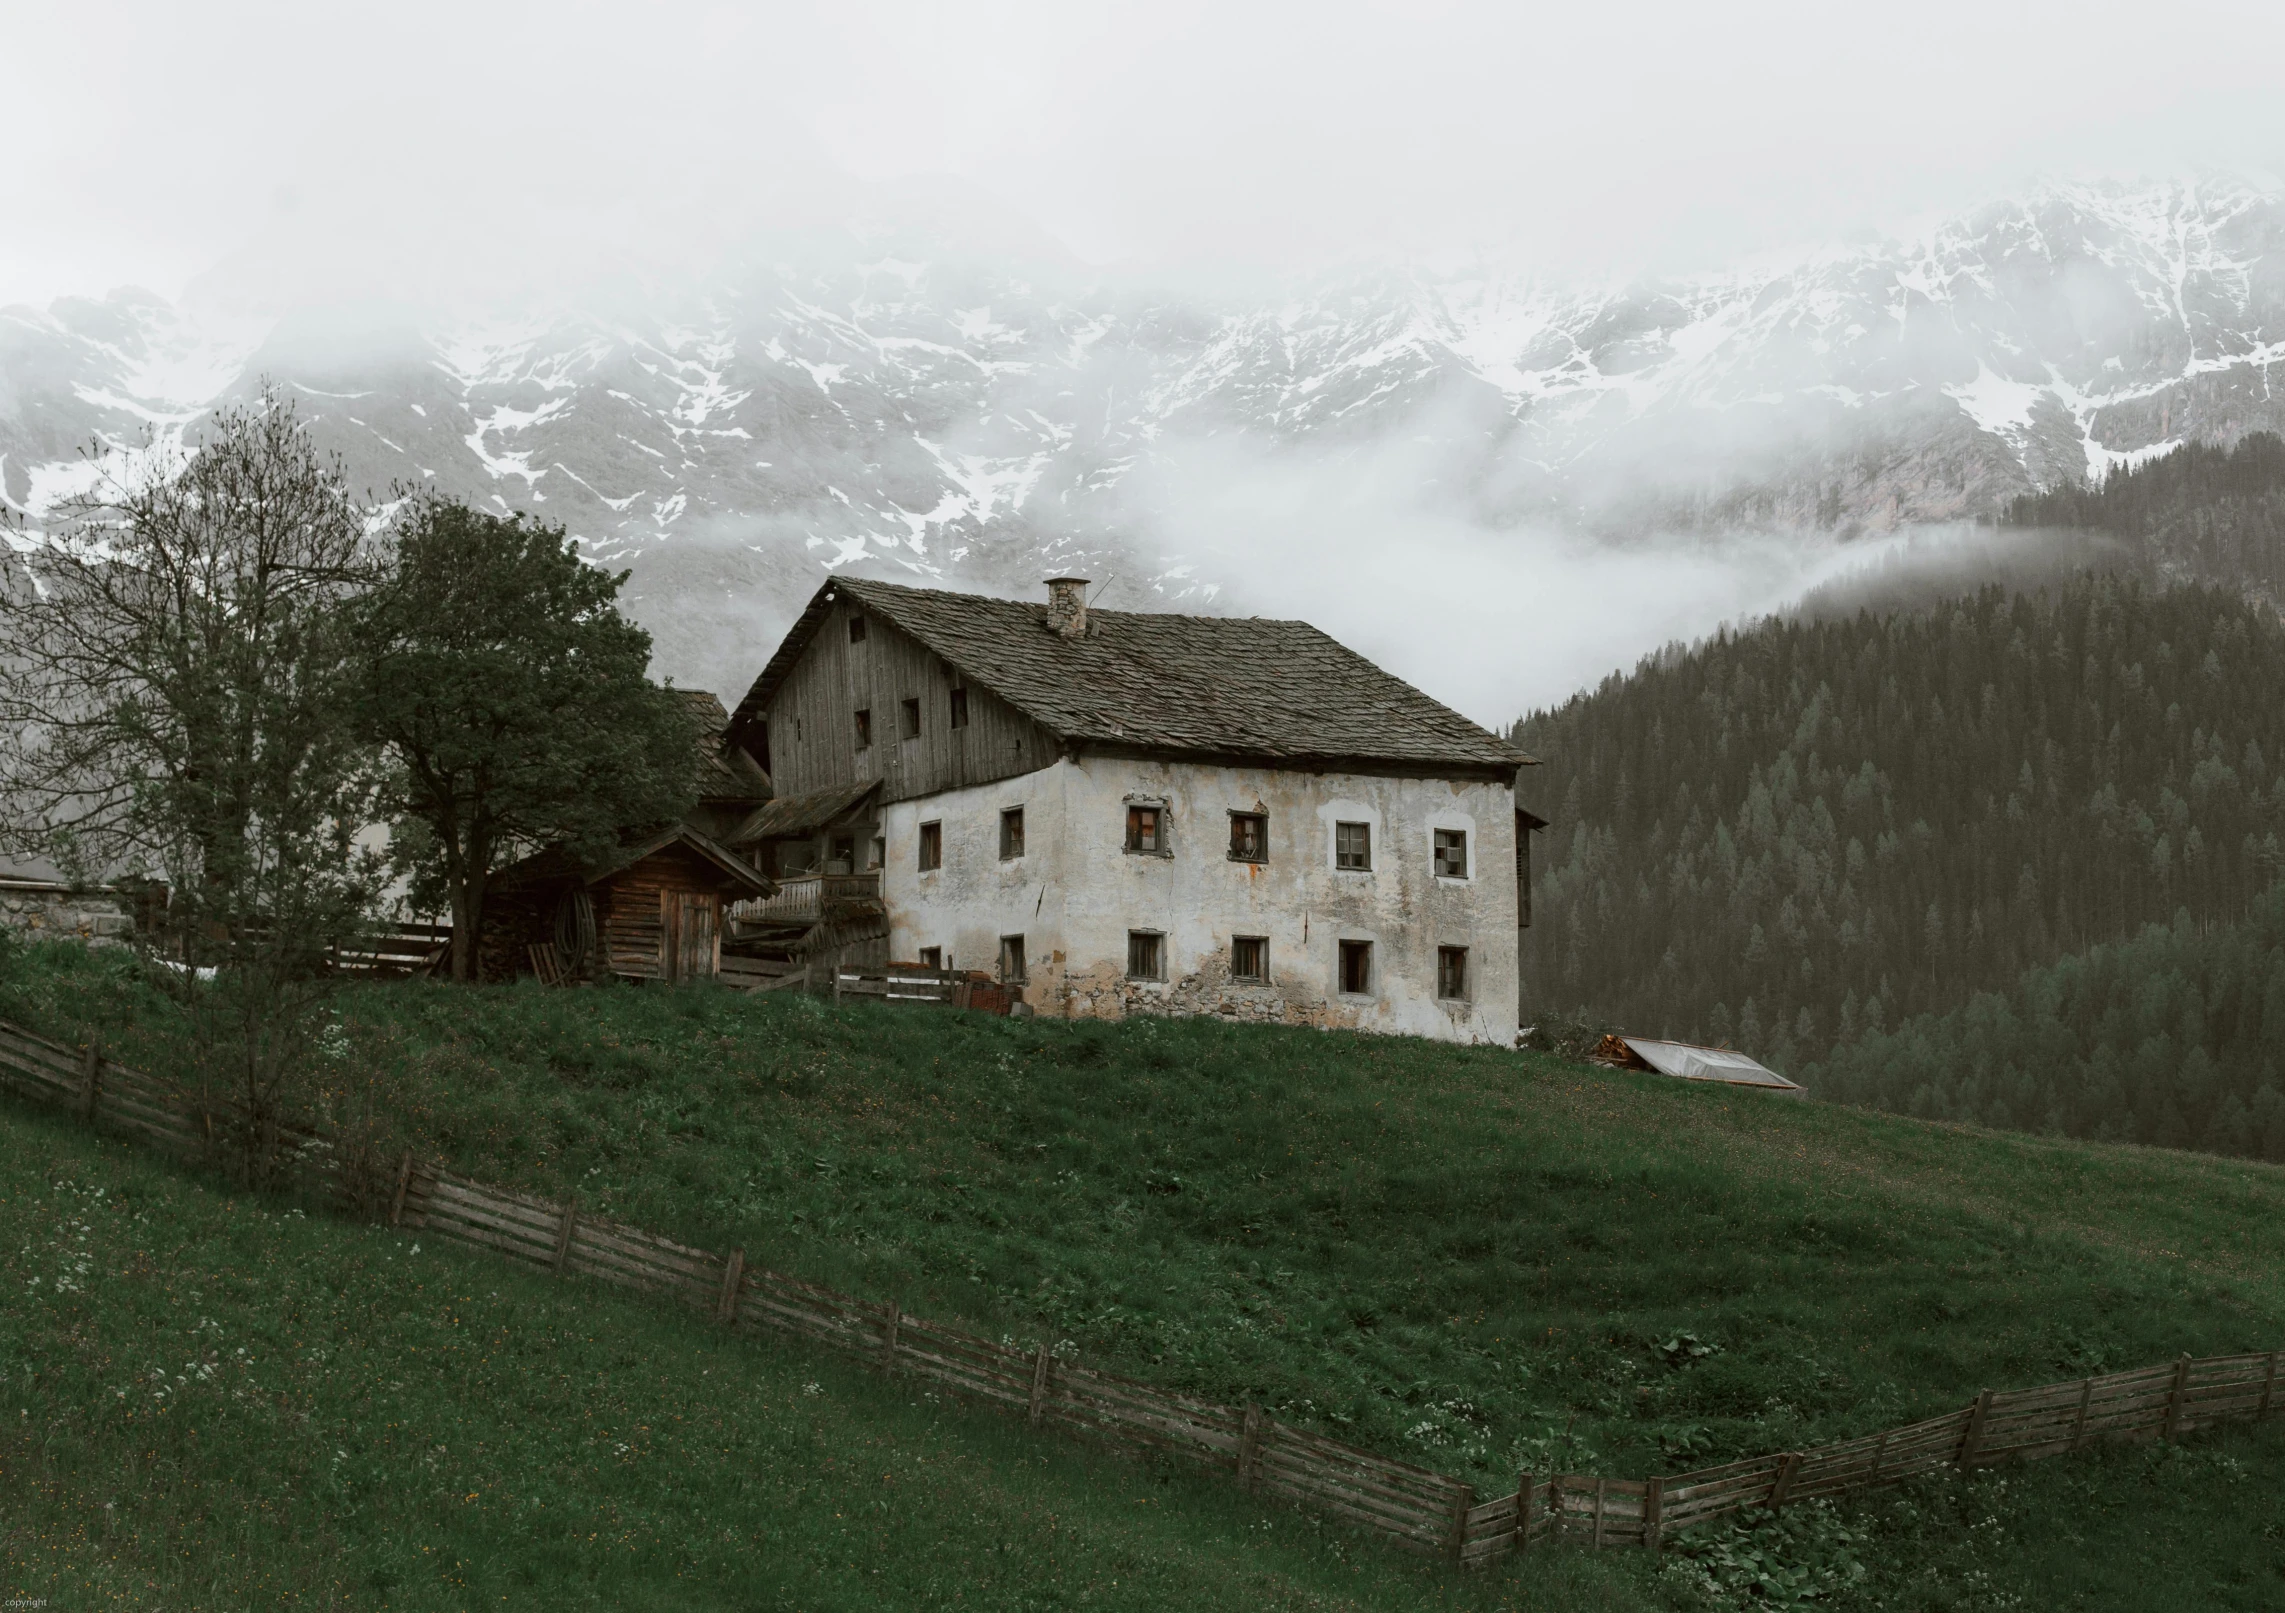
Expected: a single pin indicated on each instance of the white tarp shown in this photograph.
(1706, 1064)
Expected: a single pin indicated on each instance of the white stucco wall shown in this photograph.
(1077, 893)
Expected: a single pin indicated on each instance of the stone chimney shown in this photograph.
(1067, 606)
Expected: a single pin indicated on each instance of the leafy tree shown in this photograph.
(174, 673)
(514, 700)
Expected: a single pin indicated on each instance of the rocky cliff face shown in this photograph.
(733, 437)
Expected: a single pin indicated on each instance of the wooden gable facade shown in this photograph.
(865, 702)
(654, 913)
(660, 918)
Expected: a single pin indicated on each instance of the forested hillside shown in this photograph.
(2201, 513)
(2173, 1037)
(1785, 837)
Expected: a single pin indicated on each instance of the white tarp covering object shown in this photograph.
(1692, 1063)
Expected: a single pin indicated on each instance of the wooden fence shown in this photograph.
(1412, 1506)
(896, 982)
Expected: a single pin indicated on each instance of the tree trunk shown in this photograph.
(464, 869)
(464, 909)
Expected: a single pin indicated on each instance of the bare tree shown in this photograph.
(174, 665)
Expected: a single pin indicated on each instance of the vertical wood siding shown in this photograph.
(812, 718)
(632, 917)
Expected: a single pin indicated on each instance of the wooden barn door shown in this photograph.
(693, 947)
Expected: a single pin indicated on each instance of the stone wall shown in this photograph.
(35, 910)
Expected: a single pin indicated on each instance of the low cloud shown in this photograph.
(1377, 545)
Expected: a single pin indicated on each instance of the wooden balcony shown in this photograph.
(806, 899)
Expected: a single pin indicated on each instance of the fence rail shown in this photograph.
(1411, 1506)
(806, 898)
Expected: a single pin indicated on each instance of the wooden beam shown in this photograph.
(1788, 1468)
(1250, 1446)
(2177, 1399)
(1972, 1437)
(404, 1182)
(1039, 1362)
(1456, 1535)
(733, 1285)
(563, 1232)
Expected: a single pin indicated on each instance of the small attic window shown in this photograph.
(856, 629)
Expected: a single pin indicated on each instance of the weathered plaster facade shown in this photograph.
(1076, 893)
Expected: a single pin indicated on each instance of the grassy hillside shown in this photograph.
(1788, 836)
(213, 1404)
(1478, 1259)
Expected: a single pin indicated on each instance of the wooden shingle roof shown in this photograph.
(1237, 688)
(553, 865)
(725, 773)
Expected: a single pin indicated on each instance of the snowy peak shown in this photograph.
(731, 436)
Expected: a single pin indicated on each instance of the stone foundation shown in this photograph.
(1105, 993)
(44, 912)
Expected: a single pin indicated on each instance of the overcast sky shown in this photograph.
(147, 143)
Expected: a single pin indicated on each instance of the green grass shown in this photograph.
(209, 1402)
(1480, 1260)
(1467, 1257)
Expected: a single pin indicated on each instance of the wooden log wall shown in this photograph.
(1409, 1506)
(812, 718)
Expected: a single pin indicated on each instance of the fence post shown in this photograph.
(91, 1077)
(1040, 1357)
(893, 1332)
(1249, 1445)
(2079, 1424)
(1602, 1487)
(836, 975)
(1879, 1452)
(1973, 1435)
(733, 1284)
(2177, 1397)
(1525, 1493)
(1787, 1466)
(2268, 1388)
(563, 1232)
(404, 1181)
(1653, 1513)
(1456, 1539)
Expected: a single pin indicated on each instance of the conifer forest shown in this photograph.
(2004, 857)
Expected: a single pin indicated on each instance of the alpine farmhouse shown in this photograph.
(1124, 813)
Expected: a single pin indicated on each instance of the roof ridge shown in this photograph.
(1278, 689)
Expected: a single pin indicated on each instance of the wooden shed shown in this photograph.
(650, 910)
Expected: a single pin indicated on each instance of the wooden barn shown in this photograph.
(650, 910)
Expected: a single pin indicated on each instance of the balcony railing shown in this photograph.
(808, 898)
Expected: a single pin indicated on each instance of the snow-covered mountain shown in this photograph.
(919, 413)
